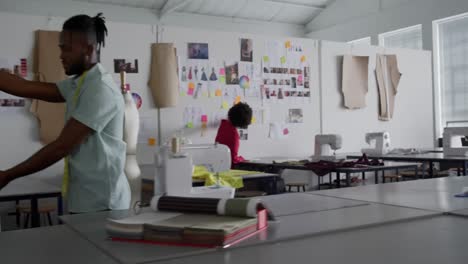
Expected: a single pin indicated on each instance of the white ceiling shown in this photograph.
(299, 12)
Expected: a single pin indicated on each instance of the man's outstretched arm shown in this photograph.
(73, 134)
(12, 84)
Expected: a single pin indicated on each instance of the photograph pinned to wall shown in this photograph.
(246, 50)
(278, 131)
(12, 104)
(307, 97)
(246, 73)
(280, 94)
(23, 68)
(295, 115)
(198, 90)
(243, 134)
(137, 99)
(183, 74)
(128, 65)
(204, 124)
(264, 93)
(232, 73)
(197, 51)
(307, 77)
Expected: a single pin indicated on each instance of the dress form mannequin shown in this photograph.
(130, 136)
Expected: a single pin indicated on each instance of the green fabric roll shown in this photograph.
(236, 207)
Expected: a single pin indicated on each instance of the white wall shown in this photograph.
(225, 46)
(412, 122)
(346, 20)
(67, 8)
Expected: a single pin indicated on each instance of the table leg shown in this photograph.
(376, 175)
(60, 205)
(34, 213)
(338, 180)
(431, 169)
(465, 167)
(348, 179)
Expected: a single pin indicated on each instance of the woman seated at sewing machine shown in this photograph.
(239, 116)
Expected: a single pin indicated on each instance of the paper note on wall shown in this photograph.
(283, 59)
(278, 131)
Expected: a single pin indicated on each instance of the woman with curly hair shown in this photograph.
(239, 116)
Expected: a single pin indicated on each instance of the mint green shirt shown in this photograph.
(96, 167)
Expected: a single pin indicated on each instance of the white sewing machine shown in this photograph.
(174, 170)
(324, 144)
(452, 141)
(382, 143)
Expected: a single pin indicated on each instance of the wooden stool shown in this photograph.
(298, 186)
(43, 210)
(393, 177)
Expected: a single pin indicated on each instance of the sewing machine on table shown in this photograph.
(382, 143)
(324, 144)
(174, 170)
(452, 141)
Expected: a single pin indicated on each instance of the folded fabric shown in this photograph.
(231, 178)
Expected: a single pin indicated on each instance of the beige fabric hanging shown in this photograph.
(388, 77)
(355, 81)
(164, 81)
(48, 68)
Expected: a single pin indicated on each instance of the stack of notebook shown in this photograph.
(183, 221)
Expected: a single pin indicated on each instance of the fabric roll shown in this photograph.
(164, 82)
(355, 81)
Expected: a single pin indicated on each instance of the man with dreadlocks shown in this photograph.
(92, 140)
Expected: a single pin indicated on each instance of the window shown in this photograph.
(361, 41)
(451, 70)
(409, 38)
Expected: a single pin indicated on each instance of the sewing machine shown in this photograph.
(452, 141)
(382, 143)
(324, 144)
(174, 170)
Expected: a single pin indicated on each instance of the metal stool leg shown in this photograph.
(26, 220)
(49, 218)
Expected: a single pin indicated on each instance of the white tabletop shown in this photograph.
(436, 240)
(428, 194)
(288, 227)
(431, 156)
(52, 245)
(27, 186)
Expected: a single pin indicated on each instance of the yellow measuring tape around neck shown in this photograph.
(66, 169)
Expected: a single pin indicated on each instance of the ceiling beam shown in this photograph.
(307, 25)
(294, 4)
(172, 6)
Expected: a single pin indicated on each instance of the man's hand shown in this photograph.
(16, 85)
(4, 179)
